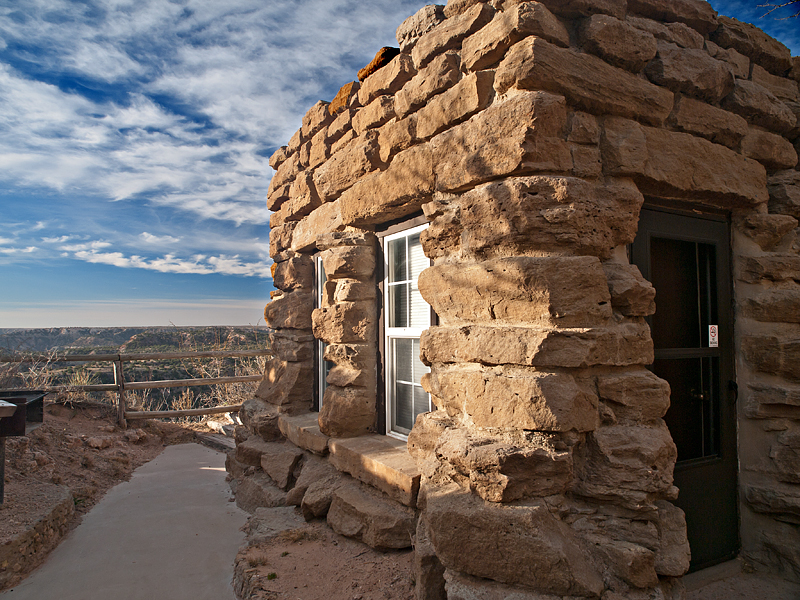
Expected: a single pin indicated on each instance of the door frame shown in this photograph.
(671, 222)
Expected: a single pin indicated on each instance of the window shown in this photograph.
(323, 366)
(407, 315)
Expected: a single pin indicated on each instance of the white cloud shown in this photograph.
(149, 238)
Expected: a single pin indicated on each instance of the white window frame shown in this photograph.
(319, 345)
(391, 333)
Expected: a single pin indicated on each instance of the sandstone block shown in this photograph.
(354, 262)
(631, 294)
(772, 354)
(786, 456)
(294, 273)
(782, 501)
(426, 433)
(714, 124)
(583, 129)
(341, 124)
(312, 469)
(417, 25)
(587, 8)
(442, 72)
(354, 356)
(766, 402)
(767, 230)
(539, 213)
(397, 192)
(303, 431)
(285, 173)
(471, 94)
(673, 554)
(625, 344)
(521, 544)
(586, 161)
(279, 157)
(249, 452)
(290, 311)
(503, 140)
(636, 396)
(337, 239)
(345, 376)
(319, 148)
(759, 107)
(618, 42)
(342, 99)
(387, 81)
(776, 267)
(551, 291)
(280, 238)
(784, 193)
(781, 87)
(347, 412)
(449, 33)
(358, 512)
(753, 43)
(670, 164)
(381, 462)
(697, 15)
(428, 570)
(487, 46)
(515, 397)
(261, 418)
(348, 322)
(507, 467)
(397, 135)
(294, 142)
(346, 166)
(279, 461)
(383, 57)
(771, 150)
(353, 291)
(327, 218)
(692, 72)
(738, 62)
(626, 464)
(677, 33)
(287, 384)
(774, 306)
(632, 563)
(276, 197)
(457, 7)
(318, 496)
(465, 587)
(374, 114)
(588, 82)
(317, 117)
(347, 136)
(257, 491)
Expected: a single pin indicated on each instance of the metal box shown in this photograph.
(29, 412)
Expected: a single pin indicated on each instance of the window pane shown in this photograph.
(403, 402)
(417, 262)
(419, 367)
(402, 351)
(398, 305)
(422, 401)
(396, 258)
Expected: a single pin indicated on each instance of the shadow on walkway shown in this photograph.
(169, 532)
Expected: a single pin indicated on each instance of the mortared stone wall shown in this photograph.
(528, 134)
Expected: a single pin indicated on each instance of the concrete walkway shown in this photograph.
(168, 533)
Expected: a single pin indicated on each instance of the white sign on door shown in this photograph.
(713, 336)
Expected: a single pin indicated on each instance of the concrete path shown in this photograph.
(167, 534)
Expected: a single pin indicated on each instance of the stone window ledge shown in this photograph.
(377, 460)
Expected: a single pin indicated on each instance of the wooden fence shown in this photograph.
(120, 386)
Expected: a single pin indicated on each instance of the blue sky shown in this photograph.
(134, 138)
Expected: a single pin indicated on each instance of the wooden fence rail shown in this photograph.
(120, 386)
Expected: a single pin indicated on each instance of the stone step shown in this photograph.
(303, 431)
(380, 461)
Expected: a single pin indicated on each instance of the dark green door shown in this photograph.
(686, 258)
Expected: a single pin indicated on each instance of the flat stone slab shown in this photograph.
(380, 461)
(303, 431)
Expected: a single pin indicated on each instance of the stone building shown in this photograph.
(538, 299)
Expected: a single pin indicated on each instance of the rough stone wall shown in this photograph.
(529, 134)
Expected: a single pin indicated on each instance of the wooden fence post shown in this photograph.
(119, 380)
